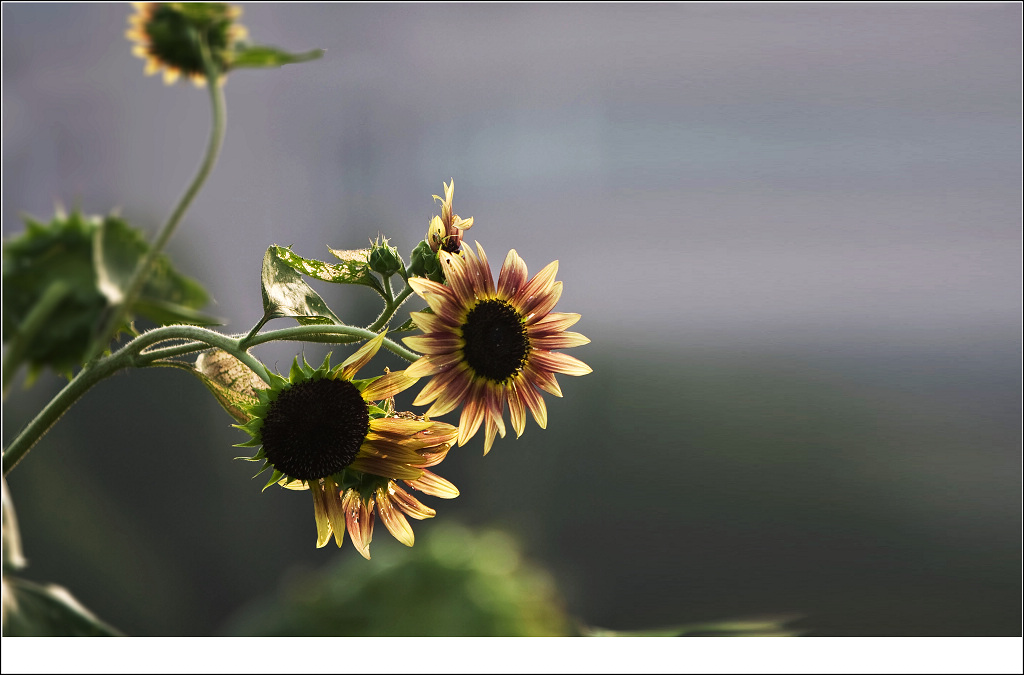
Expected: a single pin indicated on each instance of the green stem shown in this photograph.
(142, 270)
(58, 405)
(390, 309)
(29, 328)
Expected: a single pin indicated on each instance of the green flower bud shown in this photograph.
(425, 263)
(385, 259)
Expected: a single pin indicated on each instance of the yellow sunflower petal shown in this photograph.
(361, 357)
(388, 385)
(323, 525)
(432, 484)
(393, 519)
(409, 504)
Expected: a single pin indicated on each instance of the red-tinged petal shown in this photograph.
(335, 510)
(441, 299)
(536, 287)
(379, 466)
(359, 521)
(517, 412)
(395, 452)
(453, 381)
(544, 380)
(434, 485)
(438, 433)
(543, 303)
(559, 341)
(393, 519)
(534, 402)
(490, 431)
(429, 323)
(457, 275)
(450, 396)
(435, 343)
(399, 427)
(496, 406)
(434, 364)
(552, 322)
(512, 277)
(388, 385)
(323, 524)
(360, 358)
(433, 456)
(409, 504)
(485, 280)
(556, 362)
(473, 411)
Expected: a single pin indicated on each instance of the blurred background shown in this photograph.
(793, 233)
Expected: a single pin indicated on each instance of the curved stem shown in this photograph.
(142, 270)
(390, 309)
(57, 406)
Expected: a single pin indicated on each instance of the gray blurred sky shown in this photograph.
(747, 171)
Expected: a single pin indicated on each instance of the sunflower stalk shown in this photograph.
(117, 314)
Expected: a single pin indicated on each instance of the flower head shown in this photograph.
(172, 35)
(321, 430)
(486, 344)
(445, 231)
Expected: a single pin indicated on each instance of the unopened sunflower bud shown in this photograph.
(425, 263)
(385, 259)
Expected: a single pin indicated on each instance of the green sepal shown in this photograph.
(285, 294)
(296, 371)
(266, 466)
(262, 56)
(274, 478)
(425, 263)
(360, 385)
(376, 412)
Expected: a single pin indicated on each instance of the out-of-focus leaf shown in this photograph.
(14, 559)
(261, 56)
(286, 294)
(762, 627)
(353, 269)
(453, 582)
(93, 258)
(31, 609)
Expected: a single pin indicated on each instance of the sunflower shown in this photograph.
(321, 430)
(487, 344)
(445, 231)
(165, 35)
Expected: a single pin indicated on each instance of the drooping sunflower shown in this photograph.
(168, 35)
(485, 344)
(339, 437)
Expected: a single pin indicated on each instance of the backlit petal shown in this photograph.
(360, 357)
(512, 276)
(393, 519)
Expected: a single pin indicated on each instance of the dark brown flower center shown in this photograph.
(314, 428)
(497, 343)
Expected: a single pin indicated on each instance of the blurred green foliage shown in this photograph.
(454, 582)
(88, 261)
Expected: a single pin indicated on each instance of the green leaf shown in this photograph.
(262, 56)
(286, 294)
(32, 609)
(354, 268)
(766, 627)
(92, 258)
